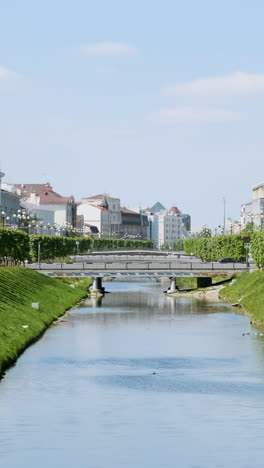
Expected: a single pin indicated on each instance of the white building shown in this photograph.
(103, 212)
(253, 211)
(170, 227)
(49, 207)
(44, 219)
(165, 226)
(111, 220)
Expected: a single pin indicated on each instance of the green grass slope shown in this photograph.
(248, 290)
(20, 324)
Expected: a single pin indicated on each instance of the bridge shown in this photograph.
(129, 266)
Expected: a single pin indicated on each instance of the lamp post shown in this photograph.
(3, 216)
(77, 246)
(39, 254)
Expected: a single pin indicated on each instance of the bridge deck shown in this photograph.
(140, 268)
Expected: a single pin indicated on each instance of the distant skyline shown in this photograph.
(146, 102)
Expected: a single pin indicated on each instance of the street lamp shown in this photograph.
(3, 216)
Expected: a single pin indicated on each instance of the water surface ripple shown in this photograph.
(138, 380)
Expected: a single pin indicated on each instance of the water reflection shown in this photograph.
(137, 378)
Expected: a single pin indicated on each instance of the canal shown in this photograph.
(137, 380)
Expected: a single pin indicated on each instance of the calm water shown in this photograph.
(140, 380)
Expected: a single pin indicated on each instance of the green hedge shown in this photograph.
(18, 246)
(57, 246)
(213, 248)
(257, 245)
(14, 245)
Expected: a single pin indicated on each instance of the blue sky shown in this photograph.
(139, 99)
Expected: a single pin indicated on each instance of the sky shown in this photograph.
(143, 100)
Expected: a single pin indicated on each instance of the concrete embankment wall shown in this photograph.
(20, 323)
(248, 291)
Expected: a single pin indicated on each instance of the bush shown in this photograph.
(18, 246)
(57, 246)
(213, 248)
(14, 245)
(257, 244)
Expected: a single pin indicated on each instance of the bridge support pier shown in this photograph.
(204, 282)
(97, 287)
(173, 288)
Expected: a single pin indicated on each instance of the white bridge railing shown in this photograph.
(142, 266)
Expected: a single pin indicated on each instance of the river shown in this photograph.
(140, 380)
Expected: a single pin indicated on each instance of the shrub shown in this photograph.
(213, 248)
(14, 245)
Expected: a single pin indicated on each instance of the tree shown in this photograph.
(205, 232)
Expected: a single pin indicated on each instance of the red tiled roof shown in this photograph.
(27, 189)
(53, 198)
(45, 192)
(174, 210)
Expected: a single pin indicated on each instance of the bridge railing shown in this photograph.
(143, 266)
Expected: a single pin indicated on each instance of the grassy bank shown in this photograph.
(20, 324)
(248, 290)
(191, 283)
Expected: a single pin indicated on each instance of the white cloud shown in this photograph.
(107, 49)
(171, 116)
(234, 84)
(6, 74)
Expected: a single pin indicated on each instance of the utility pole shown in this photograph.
(224, 225)
(1, 176)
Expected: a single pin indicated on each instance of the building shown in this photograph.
(167, 226)
(232, 227)
(170, 227)
(134, 225)
(9, 204)
(253, 211)
(42, 200)
(102, 212)
(186, 221)
(153, 227)
(105, 213)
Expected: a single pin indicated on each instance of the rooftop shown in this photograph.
(126, 210)
(174, 210)
(100, 197)
(46, 194)
(157, 207)
(258, 186)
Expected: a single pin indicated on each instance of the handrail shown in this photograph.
(141, 266)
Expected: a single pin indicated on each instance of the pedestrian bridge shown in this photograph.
(139, 268)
